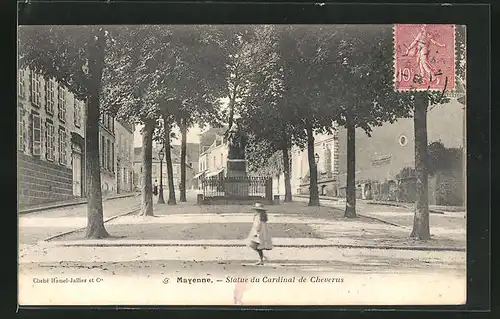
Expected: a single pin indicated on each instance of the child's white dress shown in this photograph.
(259, 237)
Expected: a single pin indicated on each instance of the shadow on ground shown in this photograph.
(193, 231)
(361, 265)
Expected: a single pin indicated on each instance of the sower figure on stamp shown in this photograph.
(259, 237)
(420, 47)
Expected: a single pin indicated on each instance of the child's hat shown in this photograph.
(259, 206)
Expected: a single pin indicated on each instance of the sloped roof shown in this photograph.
(175, 153)
(192, 153)
(208, 137)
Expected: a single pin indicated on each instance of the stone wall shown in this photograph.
(42, 182)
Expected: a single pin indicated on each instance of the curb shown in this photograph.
(83, 228)
(62, 205)
(383, 221)
(423, 248)
(433, 211)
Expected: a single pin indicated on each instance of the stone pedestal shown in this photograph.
(236, 184)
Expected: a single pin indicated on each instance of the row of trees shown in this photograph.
(308, 81)
(302, 81)
(287, 83)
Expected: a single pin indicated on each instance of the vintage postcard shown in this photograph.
(242, 165)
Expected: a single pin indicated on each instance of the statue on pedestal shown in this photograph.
(237, 141)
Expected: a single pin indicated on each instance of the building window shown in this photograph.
(403, 140)
(50, 96)
(62, 146)
(112, 168)
(22, 87)
(154, 170)
(62, 104)
(108, 153)
(21, 124)
(103, 153)
(77, 113)
(37, 134)
(35, 89)
(49, 141)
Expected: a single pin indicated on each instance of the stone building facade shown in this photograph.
(107, 156)
(213, 153)
(124, 150)
(326, 150)
(191, 166)
(387, 158)
(50, 140)
(385, 161)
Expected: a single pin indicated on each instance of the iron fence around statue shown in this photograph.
(236, 186)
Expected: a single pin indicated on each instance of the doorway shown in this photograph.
(118, 177)
(77, 174)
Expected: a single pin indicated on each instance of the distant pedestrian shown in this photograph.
(155, 188)
(259, 237)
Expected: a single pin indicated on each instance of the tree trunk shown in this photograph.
(168, 160)
(231, 112)
(182, 186)
(421, 218)
(278, 183)
(350, 208)
(147, 164)
(232, 102)
(95, 218)
(313, 170)
(286, 173)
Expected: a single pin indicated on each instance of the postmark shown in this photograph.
(424, 57)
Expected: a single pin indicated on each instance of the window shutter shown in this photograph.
(54, 99)
(30, 133)
(36, 134)
(44, 91)
(21, 130)
(47, 140)
(55, 141)
(31, 86)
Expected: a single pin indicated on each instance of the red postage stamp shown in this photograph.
(424, 57)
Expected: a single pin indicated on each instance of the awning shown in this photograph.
(214, 173)
(198, 175)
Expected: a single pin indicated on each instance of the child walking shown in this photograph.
(259, 237)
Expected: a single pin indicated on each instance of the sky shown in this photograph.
(192, 136)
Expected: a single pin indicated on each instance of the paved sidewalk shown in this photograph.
(39, 225)
(67, 203)
(291, 224)
(437, 209)
(449, 225)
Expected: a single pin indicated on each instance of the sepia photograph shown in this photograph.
(230, 165)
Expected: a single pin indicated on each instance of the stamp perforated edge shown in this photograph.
(447, 91)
